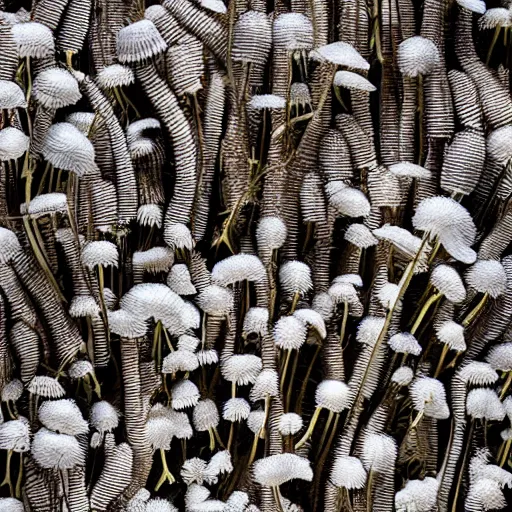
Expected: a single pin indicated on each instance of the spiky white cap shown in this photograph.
(479, 467)
(238, 268)
(195, 495)
(178, 236)
(278, 469)
(409, 170)
(402, 376)
(79, 369)
(139, 41)
(485, 494)
(323, 303)
(448, 282)
(477, 6)
(448, 220)
(104, 417)
(379, 453)
(11, 95)
(388, 295)
(313, 319)
(452, 334)
(369, 329)
(417, 56)
(100, 252)
(500, 357)
(180, 361)
(267, 384)
(405, 343)
(159, 432)
(255, 420)
(205, 415)
(487, 276)
(360, 236)
(499, 144)
(215, 300)
(267, 101)
(15, 436)
(67, 148)
(419, 495)
(188, 342)
(47, 387)
(347, 201)
(160, 505)
(242, 369)
(341, 54)
(62, 416)
(181, 424)
(43, 204)
(126, 324)
(115, 75)
(150, 215)
(332, 395)
(429, 396)
(289, 424)
(179, 280)
(353, 81)
(403, 240)
(12, 391)
(9, 245)
(137, 129)
(56, 88)
(219, 464)
(56, 451)
(290, 333)
(207, 357)
(11, 505)
(348, 472)
(84, 305)
(193, 470)
(299, 93)
(154, 260)
(13, 143)
(295, 277)
(484, 403)
(238, 500)
(478, 373)
(271, 233)
(184, 394)
(33, 40)
(256, 321)
(293, 31)
(236, 409)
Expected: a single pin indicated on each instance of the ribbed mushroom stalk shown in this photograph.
(126, 184)
(212, 131)
(181, 136)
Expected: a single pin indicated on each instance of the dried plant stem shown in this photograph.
(285, 368)
(432, 300)
(166, 474)
(324, 433)
(290, 384)
(7, 480)
(495, 36)
(463, 466)
(504, 451)
(310, 429)
(300, 398)
(475, 311)
(277, 497)
(20, 477)
(506, 385)
(344, 322)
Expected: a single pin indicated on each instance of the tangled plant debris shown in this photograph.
(255, 256)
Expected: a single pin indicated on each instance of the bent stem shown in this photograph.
(474, 312)
(166, 474)
(252, 456)
(7, 479)
(432, 299)
(440, 363)
(310, 429)
(324, 433)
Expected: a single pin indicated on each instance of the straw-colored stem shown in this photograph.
(285, 368)
(369, 485)
(298, 404)
(421, 109)
(254, 448)
(440, 363)
(295, 301)
(166, 474)
(463, 466)
(475, 311)
(157, 335)
(290, 384)
(506, 385)
(277, 498)
(434, 298)
(311, 428)
(231, 435)
(495, 36)
(344, 322)
(505, 452)
(7, 479)
(212, 439)
(324, 433)
(20, 477)
(29, 80)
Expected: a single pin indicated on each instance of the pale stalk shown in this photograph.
(310, 429)
(475, 311)
(432, 299)
(166, 474)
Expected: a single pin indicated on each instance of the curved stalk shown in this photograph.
(474, 312)
(310, 429)
(434, 298)
(166, 474)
